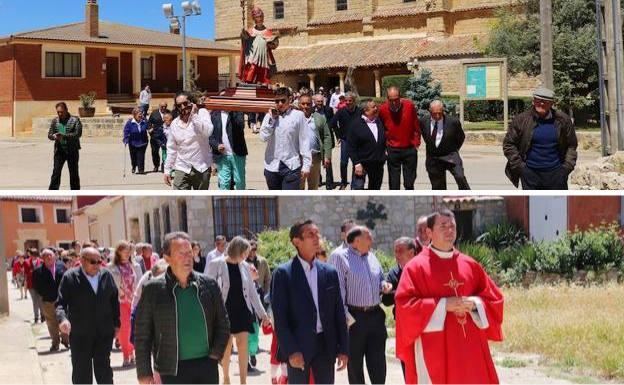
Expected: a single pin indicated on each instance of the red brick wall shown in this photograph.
(584, 211)
(518, 210)
(6, 80)
(208, 68)
(125, 72)
(166, 75)
(30, 85)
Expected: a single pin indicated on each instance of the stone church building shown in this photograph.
(321, 39)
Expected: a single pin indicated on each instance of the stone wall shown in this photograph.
(329, 212)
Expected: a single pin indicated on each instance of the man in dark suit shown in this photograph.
(310, 321)
(229, 148)
(157, 134)
(366, 141)
(65, 131)
(444, 137)
(88, 310)
(46, 279)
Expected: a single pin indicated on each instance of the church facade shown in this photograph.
(322, 39)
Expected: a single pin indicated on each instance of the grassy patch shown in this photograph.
(509, 362)
(577, 329)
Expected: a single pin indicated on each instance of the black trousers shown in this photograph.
(374, 171)
(322, 367)
(402, 159)
(155, 146)
(367, 339)
(437, 168)
(198, 371)
(544, 180)
(137, 157)
(60, 157)
(91, 355)
(284, 179)
(329, 178)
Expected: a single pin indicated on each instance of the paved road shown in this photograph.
(25, 346)
(27, 164)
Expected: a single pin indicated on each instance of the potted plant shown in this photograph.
(86, 109)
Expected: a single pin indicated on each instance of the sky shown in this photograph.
(27, 15)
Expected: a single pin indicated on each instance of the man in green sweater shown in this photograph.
(181, 320)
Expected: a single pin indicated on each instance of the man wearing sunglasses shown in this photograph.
(287, 158)
(189, 154)
(88, 310)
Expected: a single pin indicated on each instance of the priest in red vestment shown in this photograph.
(447, 308)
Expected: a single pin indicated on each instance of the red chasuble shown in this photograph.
(439, 347)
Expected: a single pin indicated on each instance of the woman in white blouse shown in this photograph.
(241, 300)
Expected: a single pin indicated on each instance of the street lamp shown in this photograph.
(179, 22)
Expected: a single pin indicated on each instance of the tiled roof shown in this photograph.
(37, 198)
(338, 17)
(372, 53)
(114, 33)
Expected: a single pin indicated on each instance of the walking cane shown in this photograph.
(125, 160)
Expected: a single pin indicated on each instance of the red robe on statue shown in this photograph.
(439, 347)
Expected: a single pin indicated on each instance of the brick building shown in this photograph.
(321, 39)
(547, 217)
(39, 68)
(32, 221)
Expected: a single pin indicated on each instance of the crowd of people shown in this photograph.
(177, 317)
(189, 144)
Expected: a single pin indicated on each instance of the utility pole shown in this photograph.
(611, 62)
(547, 43)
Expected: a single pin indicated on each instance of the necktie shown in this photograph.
(434, 134)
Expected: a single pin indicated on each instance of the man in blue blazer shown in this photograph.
(308, 312)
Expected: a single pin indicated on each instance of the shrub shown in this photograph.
(554, 257)
(275, 246)
(502, 236)
(87, 100)
(597, 248)
(386, 261)
(482, 254)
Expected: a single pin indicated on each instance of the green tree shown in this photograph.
(422, 89)
(516, 36)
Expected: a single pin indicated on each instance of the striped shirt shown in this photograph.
(360, 278)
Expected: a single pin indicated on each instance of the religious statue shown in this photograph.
(257, 63)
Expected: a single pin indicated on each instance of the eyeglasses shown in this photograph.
(93, 262)
(183, 105)
(281, 101)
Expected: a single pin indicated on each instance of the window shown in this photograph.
(64, 245)
(464, 221)
(278, 10)
(146, 69)
(31, 244)
(182, 216)
(244, 216)
(341, 5)
(148, 230)
(408, 1)
(166, 219)
(62, 215)
(157, 235)
(30, 215)
(63, 65)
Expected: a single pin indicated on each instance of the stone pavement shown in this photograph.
(26, 360)
(27, 164)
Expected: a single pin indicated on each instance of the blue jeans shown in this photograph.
(284, 178)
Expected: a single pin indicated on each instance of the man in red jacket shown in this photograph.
(400, 118)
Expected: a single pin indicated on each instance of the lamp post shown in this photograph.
(179, 22)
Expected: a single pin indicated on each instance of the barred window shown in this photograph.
(147, 228)
(157, 234)
(341, 5)
(244, 216)
(63, 65)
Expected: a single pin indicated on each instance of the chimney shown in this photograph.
(92, 21)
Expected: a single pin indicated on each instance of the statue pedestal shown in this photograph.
(243, 98)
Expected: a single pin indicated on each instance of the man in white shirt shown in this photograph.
(188, 151)
(145, 97)
(217, 252)
(335, 99)
(287, 157)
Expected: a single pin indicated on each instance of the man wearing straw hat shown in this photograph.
(540, 146)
